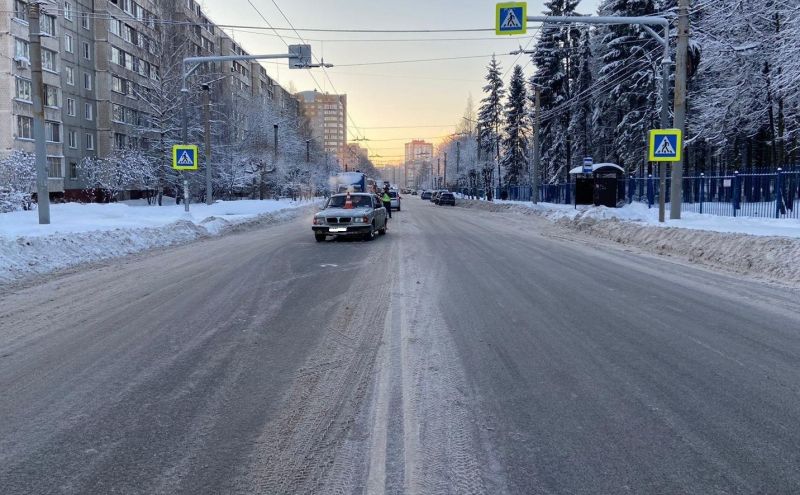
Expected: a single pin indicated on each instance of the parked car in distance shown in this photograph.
(437, 195)
(395, 200)
(426, 195)
(414, 192)
(447, 198)
(359, 215)
(434, 196)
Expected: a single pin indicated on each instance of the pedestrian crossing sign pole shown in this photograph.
(511, 18)
(665, 145)
(185, 158)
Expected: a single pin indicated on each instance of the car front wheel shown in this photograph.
(319, 237)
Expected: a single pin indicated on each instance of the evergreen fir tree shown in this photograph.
(627, 84)
(490, 117)
(555, 60)
(515, 147)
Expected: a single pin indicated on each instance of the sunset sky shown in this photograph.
(388, 103)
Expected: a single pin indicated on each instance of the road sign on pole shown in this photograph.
(665, 145)
(184, 157)
(511, 18)
(588, 165)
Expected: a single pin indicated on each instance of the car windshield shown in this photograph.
(356, 201)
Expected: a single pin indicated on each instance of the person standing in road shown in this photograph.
(387, 202)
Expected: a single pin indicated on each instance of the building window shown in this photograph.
(54, 167)
(21, 10)
(88, 111)
(52, 132)
(85, 20)
(68, 11)
(115, 27)
(51, 96)
(120, 140)
(49, 61)
(68, 45)
(72, 139)
(117, 84)
(70, 75)
(22, 50)
(47, 25)
(24, 127)
(73, 170)
(87, 51)
(87, 81)
(23, 90)
(117, 113)
(90, 141)
(117, 56)
(70, 107)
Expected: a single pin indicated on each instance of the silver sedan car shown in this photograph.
(359, 215)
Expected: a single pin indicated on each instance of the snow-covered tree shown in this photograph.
(515, 139)
(490, 116)
(17, 181)
(627, 84)
(580, 128)
(554, 58)
(125, 169)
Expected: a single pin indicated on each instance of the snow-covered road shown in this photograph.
(466, 351)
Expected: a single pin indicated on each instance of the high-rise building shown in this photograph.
(418, 154)
(327, 116)
(104, 64)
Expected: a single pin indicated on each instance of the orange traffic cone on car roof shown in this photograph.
(348, 202)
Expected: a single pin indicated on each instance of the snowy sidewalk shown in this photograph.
(82, 233)
(641, 214)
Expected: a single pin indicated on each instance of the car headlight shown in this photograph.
(319, 221)
(360, 220)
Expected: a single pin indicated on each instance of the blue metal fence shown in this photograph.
(766, 195)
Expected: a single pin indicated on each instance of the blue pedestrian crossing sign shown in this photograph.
(665, 145)
(511, 18)
(184, 157)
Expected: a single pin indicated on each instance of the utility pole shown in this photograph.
(537, 150)
(458, 157)
(308, 150)
(42, 189)
(445, 170)
(679, 121)
(438, 171)
(207, 118)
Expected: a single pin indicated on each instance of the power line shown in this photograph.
(388, 62)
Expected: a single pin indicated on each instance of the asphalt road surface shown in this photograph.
(464, 352)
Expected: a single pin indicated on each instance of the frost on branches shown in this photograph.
(17, 181)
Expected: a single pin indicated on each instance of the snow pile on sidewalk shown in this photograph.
(81, 233)
(762, 247)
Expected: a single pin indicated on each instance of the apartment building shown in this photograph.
(16, 97)
(103, 62)
(327, 118)
(417, 153)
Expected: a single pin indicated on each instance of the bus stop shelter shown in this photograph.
(601, 187)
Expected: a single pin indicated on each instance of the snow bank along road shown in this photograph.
(464, 352)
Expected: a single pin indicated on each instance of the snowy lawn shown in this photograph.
(80, 233)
